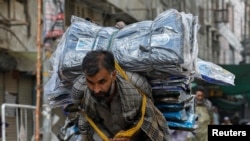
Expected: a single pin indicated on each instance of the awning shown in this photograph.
(230, 37)
(7, 62)
(227, 105)
(25, 61)
(242, 80)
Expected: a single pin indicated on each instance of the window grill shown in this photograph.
(220, 8)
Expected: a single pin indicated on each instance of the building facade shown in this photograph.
(18, 30)
(223, 23)
(223, 35)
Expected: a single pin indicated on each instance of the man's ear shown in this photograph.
(114, 74)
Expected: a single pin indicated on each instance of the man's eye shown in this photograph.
(90, 83)
(102, 81)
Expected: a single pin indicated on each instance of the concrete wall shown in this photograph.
(26, 32)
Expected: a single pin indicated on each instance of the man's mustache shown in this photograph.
(100, 94)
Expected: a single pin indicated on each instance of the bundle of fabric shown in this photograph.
(166, 45)
(173, 98)
(81, 37)
(165, 48)
(213, 73)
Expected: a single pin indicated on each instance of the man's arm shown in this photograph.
(78, 89)
(209, 106)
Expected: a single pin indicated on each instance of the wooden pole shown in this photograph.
(38, 72)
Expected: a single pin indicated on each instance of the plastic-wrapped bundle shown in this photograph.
(177, 111)
(180, 115)
(82, 37)
(213, 73)
(171, 41)
(129, 46)
(54, 88)
(171, 84)
(185, 119)
(187, 125)
(172, 97)
(180, 99)
(165, 45)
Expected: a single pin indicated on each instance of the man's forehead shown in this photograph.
(199, 93)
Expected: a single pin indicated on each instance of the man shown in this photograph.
(203, 108)
(226, 121)
(120, 24)
(113, 104)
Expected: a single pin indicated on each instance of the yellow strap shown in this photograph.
(98, 131)
(120, 70)
(130, 132)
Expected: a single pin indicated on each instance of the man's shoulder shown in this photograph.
(79, 82)
(138, 81)
(208, 103)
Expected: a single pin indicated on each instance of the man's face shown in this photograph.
(101, 83)
(199, 95)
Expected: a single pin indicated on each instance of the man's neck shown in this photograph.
(112, 93)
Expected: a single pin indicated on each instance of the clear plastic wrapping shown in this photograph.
(213, 73)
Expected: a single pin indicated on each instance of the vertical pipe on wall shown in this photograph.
(38, 72)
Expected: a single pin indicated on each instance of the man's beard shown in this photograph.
(103, 96)
(100, 96)
(199, 102)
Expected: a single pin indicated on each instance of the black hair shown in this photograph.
(88, 19)
(121, 20)
(97, 59)
(200, 88)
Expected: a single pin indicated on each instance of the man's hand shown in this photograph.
(119, 139)
(71, 108)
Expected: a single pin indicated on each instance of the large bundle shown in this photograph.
(213, 73)
(173, 98)
(165, 48)
(166, 44)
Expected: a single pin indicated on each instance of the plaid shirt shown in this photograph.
(154, 125)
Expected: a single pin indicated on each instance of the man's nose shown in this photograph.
(97, 88)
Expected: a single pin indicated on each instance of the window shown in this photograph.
(220, 9)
